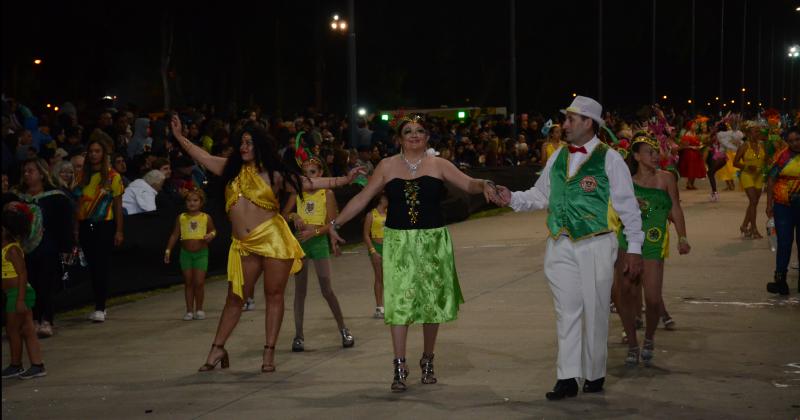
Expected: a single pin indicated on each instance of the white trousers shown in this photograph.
(580, 275)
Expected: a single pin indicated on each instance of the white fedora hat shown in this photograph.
(586, 107)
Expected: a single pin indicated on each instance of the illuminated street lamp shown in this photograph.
(338, 24)
(37, 61)
(362, 112)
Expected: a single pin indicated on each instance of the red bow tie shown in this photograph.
(573, 149)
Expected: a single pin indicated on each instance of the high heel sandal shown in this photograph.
(400, 375)
(745, 232)
(223, 360)
(755, 234)
(267, 368)
(426, 364)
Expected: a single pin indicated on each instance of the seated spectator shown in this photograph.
(140, 196)
(182, 179)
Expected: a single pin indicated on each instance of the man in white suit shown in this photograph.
(587, 188)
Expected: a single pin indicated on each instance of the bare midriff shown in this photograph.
(193, 245)
(246, 216)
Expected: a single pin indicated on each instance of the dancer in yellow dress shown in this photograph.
(751, 159)
(552, 143)
(261, 240)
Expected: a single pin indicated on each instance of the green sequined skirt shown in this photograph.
(420, 283)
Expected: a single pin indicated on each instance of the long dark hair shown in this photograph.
(633, 164)
(88, 171)
(265, 157)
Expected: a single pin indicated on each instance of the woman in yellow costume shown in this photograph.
(751, 159)
(261, 239)
(552, 143)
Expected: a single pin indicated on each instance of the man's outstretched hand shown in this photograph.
(503, 196)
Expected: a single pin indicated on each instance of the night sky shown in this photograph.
(410, 53)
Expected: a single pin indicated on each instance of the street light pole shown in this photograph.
(653, 59)
(600, 51)
(692, 93)
(744, 47)
(513, 67)
(351, 70)
(721, 47)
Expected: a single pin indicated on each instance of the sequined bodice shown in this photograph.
(415, 203)
(250, 185)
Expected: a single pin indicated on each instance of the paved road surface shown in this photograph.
(734, 354)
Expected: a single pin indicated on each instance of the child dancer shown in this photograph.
(20, 296)
(373, 239)
(196, 230)
(314, 212)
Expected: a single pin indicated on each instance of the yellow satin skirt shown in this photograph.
(271, 239)
(728, 172)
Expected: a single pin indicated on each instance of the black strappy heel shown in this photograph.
(400, 375)
(223, 361)
(426, 364)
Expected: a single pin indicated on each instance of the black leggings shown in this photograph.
(43, 270)
(713, 167)
(97, 240)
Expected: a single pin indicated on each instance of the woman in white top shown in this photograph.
(140, 196)
(729, 140)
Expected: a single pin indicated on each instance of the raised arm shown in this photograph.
(311, 184)
(214, 164)
(357, 203)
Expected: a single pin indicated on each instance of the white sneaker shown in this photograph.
(188, 316)
(378, 312)
(249, 305)
(200, 315)
(97, 316)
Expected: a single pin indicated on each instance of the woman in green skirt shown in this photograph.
(420, 280)
(657, 193)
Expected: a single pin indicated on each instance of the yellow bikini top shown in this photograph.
(378, 220)
(250, 185)
(193, 227)
(312, 208)
(9, 272)
(753, 157)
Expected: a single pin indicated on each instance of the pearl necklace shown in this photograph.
(412, 167)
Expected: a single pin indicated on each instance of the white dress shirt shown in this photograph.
(621, 185)
(139, 197)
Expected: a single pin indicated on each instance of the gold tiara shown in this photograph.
(414, 118)
(647, 140)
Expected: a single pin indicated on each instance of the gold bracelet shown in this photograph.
(213, 233)
(683, 240)
(372, 251)
(167, 251)
(316, 231)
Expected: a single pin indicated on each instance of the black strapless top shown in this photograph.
(415, 203)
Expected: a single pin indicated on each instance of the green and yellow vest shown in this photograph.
(580, 205)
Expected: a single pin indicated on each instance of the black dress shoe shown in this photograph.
(594, 386)
(564, 388)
